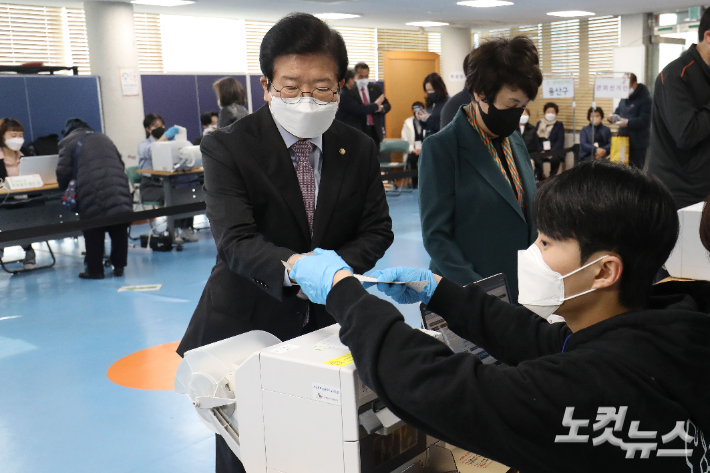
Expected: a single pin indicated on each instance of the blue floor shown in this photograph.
(59, 334)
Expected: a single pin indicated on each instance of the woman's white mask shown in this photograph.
(541, 289)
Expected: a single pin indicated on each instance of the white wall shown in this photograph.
(203, 45)
(455, 45)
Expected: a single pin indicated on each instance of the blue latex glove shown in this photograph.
(315, 273)
(171, 132)
(400, 292)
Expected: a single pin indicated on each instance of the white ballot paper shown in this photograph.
(416, 285)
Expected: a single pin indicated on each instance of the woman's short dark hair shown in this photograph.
(229, 90)
(302, 33)
(551, 105)
(206, 118)
(501, 61)
(149, 120)
(437, 83)
(610, 207)
(9, 124)
(705, 224)
(597, 110)
(349, 74)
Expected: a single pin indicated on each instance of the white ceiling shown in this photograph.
(395, 13)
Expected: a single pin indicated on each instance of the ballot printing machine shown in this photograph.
(300, 407)
(175, 155)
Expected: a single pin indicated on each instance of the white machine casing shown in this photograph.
(176, 155)
(295, 407)
(689, 258)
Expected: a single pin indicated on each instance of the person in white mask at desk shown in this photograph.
(623, 385)
(12, 139)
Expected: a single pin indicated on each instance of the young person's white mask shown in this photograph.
(305, 119)
(541, 289)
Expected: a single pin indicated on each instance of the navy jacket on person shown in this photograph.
(351, 111)
(433, 123)
(452, 106)
(557, 137)
(101, 183)
(637, 109)
(602, 136)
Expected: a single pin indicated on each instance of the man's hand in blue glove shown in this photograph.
(171, 132)
(400, 292)
(315, 273)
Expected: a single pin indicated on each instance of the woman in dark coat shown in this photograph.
(102, 190)
(436, 98)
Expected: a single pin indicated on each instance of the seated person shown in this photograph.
(600, 146)
(414, 133)
(12, 137)
(152, 186)
(551, 137)
(622, 385)
(529, 132)
(209, 124)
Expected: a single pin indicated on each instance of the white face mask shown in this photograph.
(306, 119)
(15, 143)
(209, 129)
(362, 83)
(541, 289)
(550, 117)
(631, 90)
(524, 119)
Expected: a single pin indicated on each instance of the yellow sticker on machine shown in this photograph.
(342, 360)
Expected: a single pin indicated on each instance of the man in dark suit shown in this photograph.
(368, 92)
(352, 111)
(280, 183)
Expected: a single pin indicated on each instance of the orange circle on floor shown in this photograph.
(153, 368)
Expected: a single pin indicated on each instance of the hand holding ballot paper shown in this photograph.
(315, 275)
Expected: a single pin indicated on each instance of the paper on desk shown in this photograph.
(416, 285)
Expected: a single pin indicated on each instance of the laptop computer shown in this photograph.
(495, 285)
(45, 166)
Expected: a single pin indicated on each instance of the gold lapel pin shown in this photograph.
(342, 151)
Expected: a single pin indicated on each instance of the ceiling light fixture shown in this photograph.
(571, 14)
(485, 3)
(427, 24)
(163, 3)
(336, 16)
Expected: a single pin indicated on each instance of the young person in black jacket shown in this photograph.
(622, 386)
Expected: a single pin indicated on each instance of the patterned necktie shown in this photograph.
(306, 178)
(307, 182)
(366, 101)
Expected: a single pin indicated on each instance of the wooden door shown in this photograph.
(404, 74)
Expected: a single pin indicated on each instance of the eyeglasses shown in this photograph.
(293, 95)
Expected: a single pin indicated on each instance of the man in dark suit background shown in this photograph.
(278, 184)
(351, 111)
(368, 92)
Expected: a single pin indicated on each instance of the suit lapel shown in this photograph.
(331, 179)
(477, 154)
(276, 162)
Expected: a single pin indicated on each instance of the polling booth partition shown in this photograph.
(43, 103)
(196, 96)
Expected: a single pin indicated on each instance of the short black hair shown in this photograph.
(349, 74)
(551, 105)
(150, 118)
(214, 114)
(610, 207)
(206, 118)
(502, 61)
(419, 104)
(302, 33)
(592, 109)
(704, 25)
(361, 65)
(74, 124)
(705, 225)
